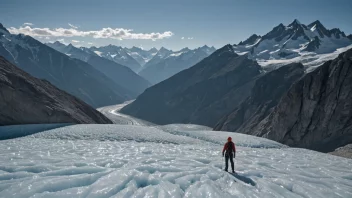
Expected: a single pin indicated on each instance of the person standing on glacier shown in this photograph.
(229, 151)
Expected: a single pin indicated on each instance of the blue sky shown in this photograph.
(211, 22)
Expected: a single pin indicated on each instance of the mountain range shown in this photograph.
(291, 85)
(153, 65)
(315, 112)
(234, 89)
(167, 63)
(117, 54)
(71, 75)
(201, 94)
(140, 55)
(120, 74)
(312, 45)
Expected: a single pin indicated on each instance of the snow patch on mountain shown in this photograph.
(98, 53)
(311, 60)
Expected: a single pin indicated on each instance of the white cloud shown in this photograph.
(75, 41)
(90, 43)
(28, 24)
(117, 33)
(72, 26)
(190, 38)
(182, 38)
(47, 38)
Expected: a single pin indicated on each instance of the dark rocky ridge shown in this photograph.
(28, 100)
(251, 40)
(313, 45)
(316, 112)
(350, 36)
(201, 94)
(265, 95)
(71, 75)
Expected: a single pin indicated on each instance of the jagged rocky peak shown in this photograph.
(313, 44)
(275, 32)
(110, 47)
(70, 46)
(3, 29)
(337, 33)
(251, 40)
(153, 50)
(295, 23)
(350, 36)
(224, 50)
(317, 24)
(135, 48)
(162, 49)
(185, 49)
(58, 43)
(319, 27)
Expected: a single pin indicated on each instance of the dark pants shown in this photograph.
(227, 157)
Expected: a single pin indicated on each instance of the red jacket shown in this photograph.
(226, 146)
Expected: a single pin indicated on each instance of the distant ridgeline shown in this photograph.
(281, 86)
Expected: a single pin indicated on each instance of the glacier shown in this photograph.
(177, 160)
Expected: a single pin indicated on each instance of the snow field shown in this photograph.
(163, 161)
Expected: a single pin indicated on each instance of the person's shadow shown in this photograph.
(243, 179)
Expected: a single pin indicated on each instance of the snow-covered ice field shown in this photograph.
(163, 161)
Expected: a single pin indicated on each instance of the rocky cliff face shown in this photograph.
(201, 94)
(265, 95)
(28, 100)
(316, 112)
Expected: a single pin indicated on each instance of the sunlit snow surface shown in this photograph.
(163, 161)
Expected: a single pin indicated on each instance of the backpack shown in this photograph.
(229, 149)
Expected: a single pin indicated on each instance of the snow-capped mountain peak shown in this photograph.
(140, 55)
(251, 40)
(163, 52)
(119, 55)
(295, 23)
(310, 44)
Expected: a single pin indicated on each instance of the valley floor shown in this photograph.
(163, 161)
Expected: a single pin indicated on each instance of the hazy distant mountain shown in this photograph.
(311, 44)
(122, 75)
(118, 55)
(167, 63)
(71, 75)
(201, 94)
(28, 100)
(160, 55)
(140, 55)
